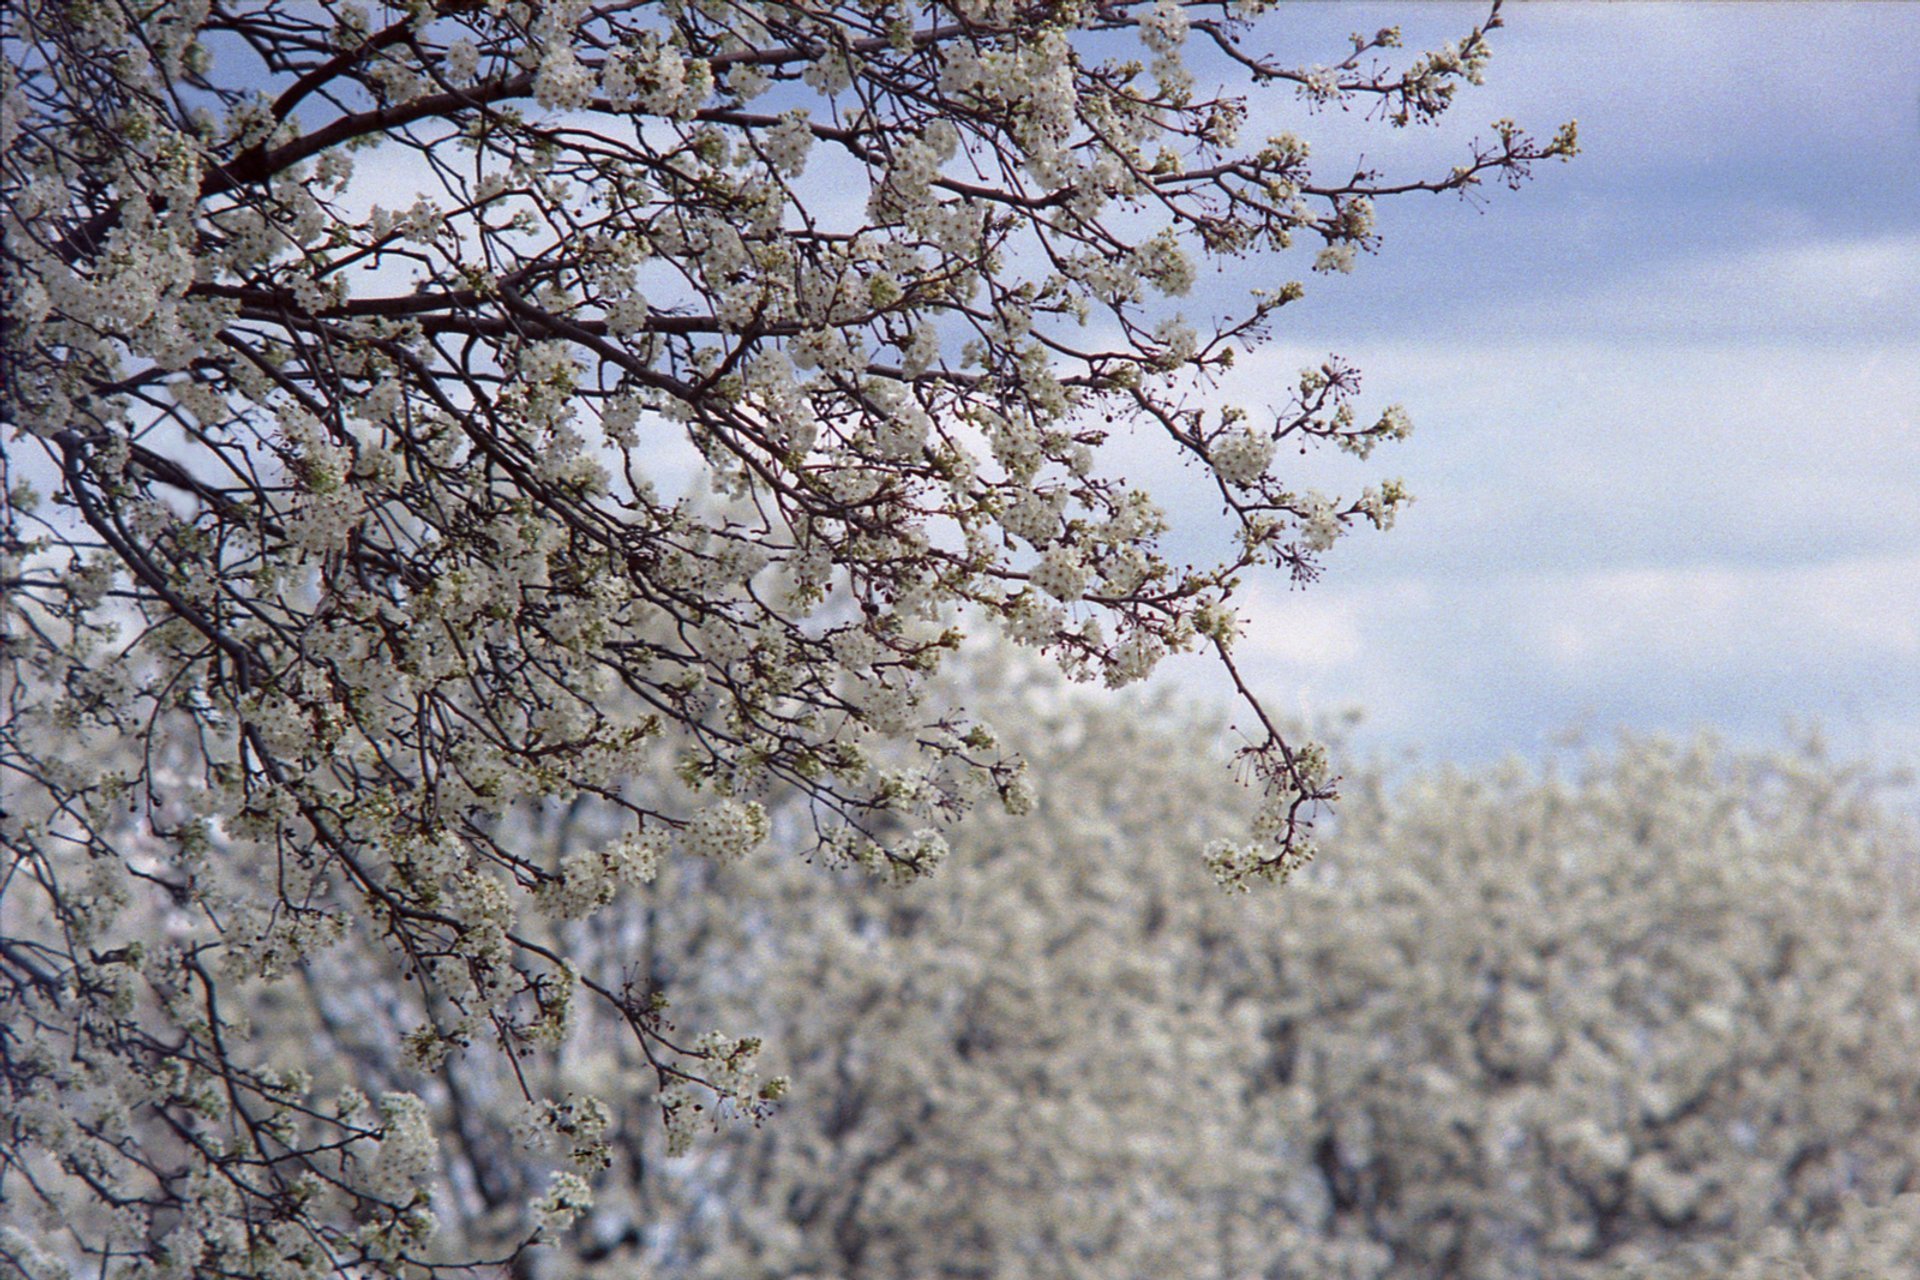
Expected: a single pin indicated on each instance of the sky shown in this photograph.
(1666, 397)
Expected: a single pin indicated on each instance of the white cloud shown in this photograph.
(1515, 657)
(1310, 633)
(1863, 287)
(1599, 453)
(1615, 532)
(1860, 610)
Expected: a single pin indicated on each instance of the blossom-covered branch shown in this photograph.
(361, 352)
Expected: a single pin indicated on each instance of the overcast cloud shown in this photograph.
(1667, 397)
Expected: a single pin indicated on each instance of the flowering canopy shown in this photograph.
(1654, 1015)
(354, 346)
(1652, 1019)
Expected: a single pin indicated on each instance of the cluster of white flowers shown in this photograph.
(1242, 456)
(1164, 28)
(788, 143)
(1177, 340)
(562, 84)
(1164, 262)
(725, 830)
(1320, 522)
(462, 61)
(889, 706)
(578, 1126)
(1236, 864)
(590, 879)
(566, 1198)
(901, 427)
(405, 1151)
(1381, 504)
(832, 351)
(1062, 573)
(1335, 257)
(1134, 658)
(652, 76)
(1394, 424)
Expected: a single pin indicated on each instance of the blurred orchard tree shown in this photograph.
(344, 351)
(1654, 1016)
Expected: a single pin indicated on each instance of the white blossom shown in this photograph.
(1242, 456)
(1062, 573)
(725, 830)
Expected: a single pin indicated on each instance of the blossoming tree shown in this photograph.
(1654, 1019)
(1655, 1015)
(349, 346)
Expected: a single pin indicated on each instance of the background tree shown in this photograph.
(1559, 1025)
(1655, 1015)
(348, 345)
(1655, 1018)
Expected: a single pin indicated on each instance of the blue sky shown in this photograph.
(1667, 397)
